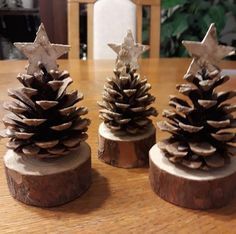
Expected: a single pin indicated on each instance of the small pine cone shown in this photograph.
(125, 105)
(44, 121)
(201, 128)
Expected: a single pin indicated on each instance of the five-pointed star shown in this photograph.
(128, 52)
(42, 51)
(207, 53)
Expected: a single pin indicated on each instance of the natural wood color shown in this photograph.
(125, 151)
(147, 2)
(90, 8)
(48, 183)
(155, 24)
(139, 26)
(73, 29)
(155, 32)
(194, 189)
(52, 13)
(119, 200)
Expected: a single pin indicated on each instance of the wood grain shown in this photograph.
(188, 188)
(119, 200)
(155, 25)
(48, 183)
(139, 23)
(73, 31)
(125, 151)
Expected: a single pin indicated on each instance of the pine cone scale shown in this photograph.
(61, 127)
(219, 124)
(202, 148)
(62, 89)
(45, 104)
(227, 136)
(215, 162)
(30, 150)
(190, 128)
(33, 122)
(55, 84)
(23, 135)
(47, 144)
(22, 98)
(67, 111)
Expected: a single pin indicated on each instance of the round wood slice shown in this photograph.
(48, 183)
(188, 188)
(125, 151)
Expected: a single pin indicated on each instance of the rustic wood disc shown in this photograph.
(48, 183)
(188, 188)
(126, 151)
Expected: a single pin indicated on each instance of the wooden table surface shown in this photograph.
(119, 200)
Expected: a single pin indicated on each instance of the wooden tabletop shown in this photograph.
(119, 200)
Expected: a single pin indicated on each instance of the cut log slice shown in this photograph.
(48, 183)
(123, 150)
(194, 189)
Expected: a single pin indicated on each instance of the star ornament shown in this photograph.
(207, 53)
(42, 51)
(128, 52)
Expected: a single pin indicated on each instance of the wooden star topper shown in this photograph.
(42, 51)
(207, 53)
(128, 52)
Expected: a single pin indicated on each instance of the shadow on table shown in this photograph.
(226, 213)
(91, 200)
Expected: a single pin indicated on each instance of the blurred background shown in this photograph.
(176, 20)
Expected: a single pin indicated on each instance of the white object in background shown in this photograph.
(27, 3)
(112, 19)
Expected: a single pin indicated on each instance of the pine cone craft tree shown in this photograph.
(126, 133)
(48, 162)
(44, 121)
(126, 98)
(201, 126)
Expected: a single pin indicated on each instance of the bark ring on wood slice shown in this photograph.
(125, 151)
(194, 189)
(48, 183)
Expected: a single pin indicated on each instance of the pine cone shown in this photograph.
(202, 132)
(125, 102)
(44, 121)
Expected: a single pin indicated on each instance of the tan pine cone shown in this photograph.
(201, 128)
(126, 101)
(43, 121)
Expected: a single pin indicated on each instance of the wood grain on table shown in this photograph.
(119, 200)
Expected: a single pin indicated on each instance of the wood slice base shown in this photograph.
(124, 150)
(48, 183)
(188, 188)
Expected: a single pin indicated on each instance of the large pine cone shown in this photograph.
(125, 102)
(44, 121)
(202, 132)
